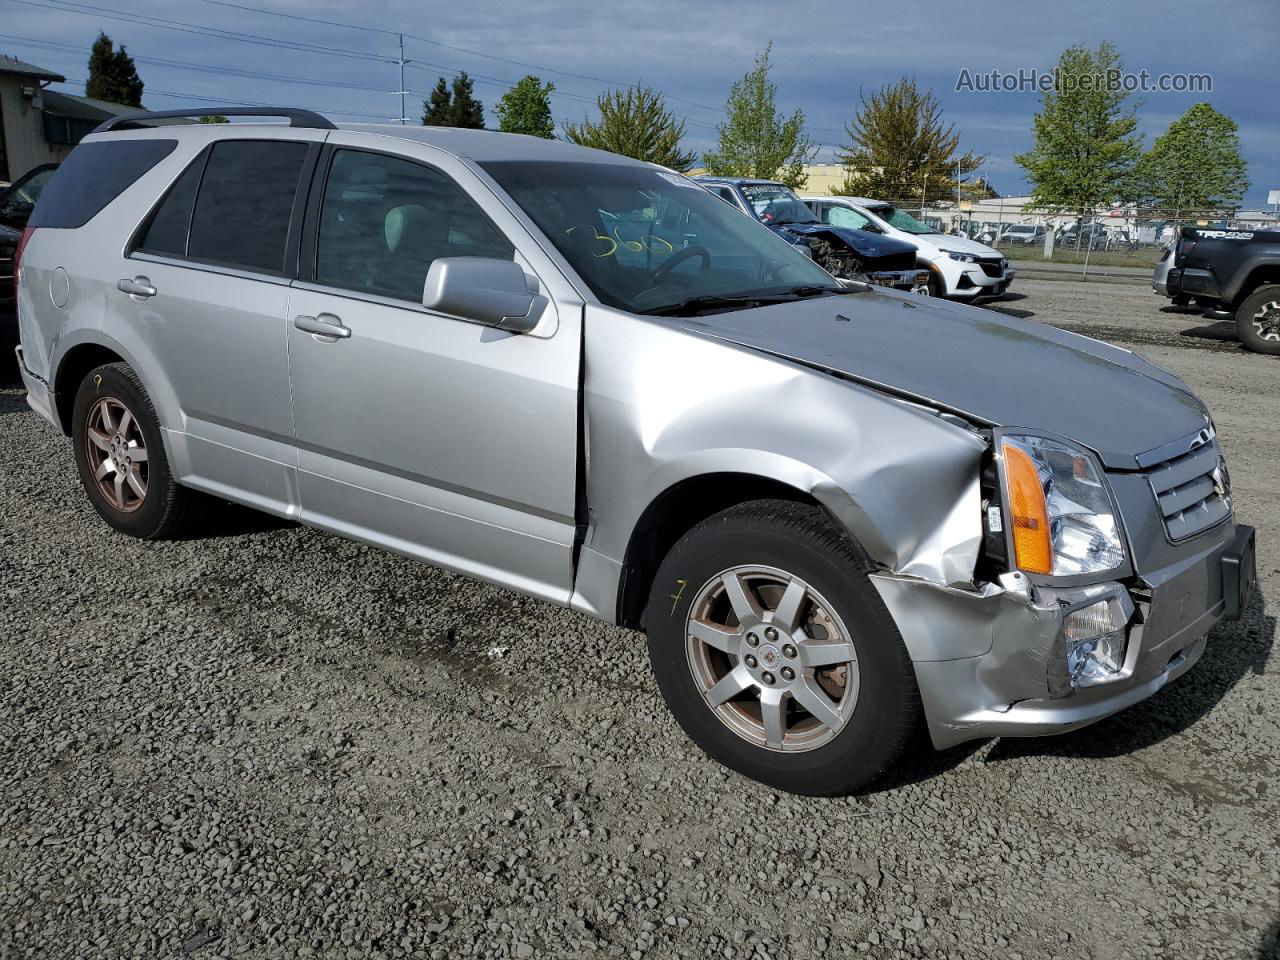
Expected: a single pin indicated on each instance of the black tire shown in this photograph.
(167, 509)
(1246, 316)
(802, 541)
(936, 286)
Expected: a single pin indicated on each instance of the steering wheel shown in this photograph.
(677, 258)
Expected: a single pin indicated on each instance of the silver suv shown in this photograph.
(836, 510)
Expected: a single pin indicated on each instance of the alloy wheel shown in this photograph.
(1267, 321)
(117, 454)
(772, 658)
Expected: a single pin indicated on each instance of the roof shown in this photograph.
(20, 68)
(489, 145)
(85, 108)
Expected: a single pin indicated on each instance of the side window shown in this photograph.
(726, 194)
(384, 220)
(245, 202)
(839, 216)
(92, 176)
(167, 232)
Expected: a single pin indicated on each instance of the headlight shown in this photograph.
(962, 257)
(1060, 515)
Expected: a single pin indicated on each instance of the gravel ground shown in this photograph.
(269, 742)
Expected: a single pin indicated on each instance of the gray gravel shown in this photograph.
(270, 742)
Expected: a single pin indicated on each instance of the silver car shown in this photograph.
(837, 511)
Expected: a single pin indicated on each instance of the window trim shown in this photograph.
(310, 247)
(293, 234)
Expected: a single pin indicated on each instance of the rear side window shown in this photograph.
(170, 224)
(245, 202)
(92, 176)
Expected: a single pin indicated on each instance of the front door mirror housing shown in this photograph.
(482, 289)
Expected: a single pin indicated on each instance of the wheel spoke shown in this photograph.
(99, 440)
(826, 654)
(135, 481)
(126, 418)
(724, 639)
(743, 601)
(105, 467)
(104, 414)
(773, 714)
(814, 699)
(138, 454)
(730, 685)
(119, 488)
(787, 616)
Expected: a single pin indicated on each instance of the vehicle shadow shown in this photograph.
(1216, 330)
(227, 519)
(999, 305)
(1235, 651)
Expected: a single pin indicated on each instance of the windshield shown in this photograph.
(26, 192)
(901, 220)
(645, 240)
(775, 204)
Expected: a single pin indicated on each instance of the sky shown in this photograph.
(825, 54)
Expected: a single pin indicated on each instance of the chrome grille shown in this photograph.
(1192, 491)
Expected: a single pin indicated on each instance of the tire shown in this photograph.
(156, 508)
(1258, 320)
(871, 705)
(936, 286)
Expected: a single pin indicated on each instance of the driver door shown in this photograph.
(421, 432)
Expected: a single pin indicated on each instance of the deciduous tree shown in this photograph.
(756, 140)
(526, 108)
(1194, 166)
(898, 147)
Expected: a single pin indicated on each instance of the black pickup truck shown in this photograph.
(1232, 273)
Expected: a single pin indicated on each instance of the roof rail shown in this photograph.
(296, 117)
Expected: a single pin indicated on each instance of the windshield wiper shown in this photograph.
(706, 302)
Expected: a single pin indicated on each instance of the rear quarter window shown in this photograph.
(93, 175)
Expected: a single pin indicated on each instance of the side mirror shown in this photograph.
(489, 291)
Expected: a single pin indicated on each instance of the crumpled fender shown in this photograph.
(863, 242)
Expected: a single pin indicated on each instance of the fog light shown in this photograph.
(1095, 638)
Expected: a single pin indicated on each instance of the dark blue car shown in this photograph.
(841, 251)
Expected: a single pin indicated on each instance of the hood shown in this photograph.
(993, 369)
(961, 245)
(866, 243)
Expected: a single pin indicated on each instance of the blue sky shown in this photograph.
(824, 53)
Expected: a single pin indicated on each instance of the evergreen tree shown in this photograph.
(757, 141)
(635, 123)
(436, 109)
(526, 108)
(466, 110)
(113, 76)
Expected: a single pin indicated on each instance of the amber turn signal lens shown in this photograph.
(1027, 512)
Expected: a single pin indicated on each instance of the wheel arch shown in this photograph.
(1258, 275)
(678, 509)
(73, 368)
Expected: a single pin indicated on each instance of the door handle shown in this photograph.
(326, 325)
(139, 287)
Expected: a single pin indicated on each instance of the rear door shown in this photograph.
(422, 432)
(208, 284)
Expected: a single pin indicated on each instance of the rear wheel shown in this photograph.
(121, 460)
(1258, 320)
(776, 654)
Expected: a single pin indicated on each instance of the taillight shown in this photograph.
(17, 258)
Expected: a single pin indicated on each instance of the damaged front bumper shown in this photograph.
(1013, 677)
(916, 281)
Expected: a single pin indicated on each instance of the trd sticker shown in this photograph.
(1226, 234)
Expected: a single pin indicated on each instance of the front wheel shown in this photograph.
(1258, 320)
(776, 654)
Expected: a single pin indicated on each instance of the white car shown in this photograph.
(958, 267)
